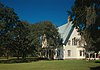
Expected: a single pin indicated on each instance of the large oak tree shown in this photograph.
(86, 15)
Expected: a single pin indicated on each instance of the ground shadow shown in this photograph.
(95, 68)
(27, 60)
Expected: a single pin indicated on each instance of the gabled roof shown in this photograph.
(65, 31)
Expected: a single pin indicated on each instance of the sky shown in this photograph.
(34, 11)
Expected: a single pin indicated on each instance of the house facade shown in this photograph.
(73, 45)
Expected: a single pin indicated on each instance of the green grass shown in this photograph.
(51, 65)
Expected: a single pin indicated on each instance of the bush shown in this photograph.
(30, 59)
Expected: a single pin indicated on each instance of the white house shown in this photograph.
(73, 46)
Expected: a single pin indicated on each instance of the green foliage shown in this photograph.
(21, 39)
(14, 34)
(46, 27)
(86, 13)
(8, 20)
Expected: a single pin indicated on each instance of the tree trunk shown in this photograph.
(18, 55)
(7, 54)
(23, 56)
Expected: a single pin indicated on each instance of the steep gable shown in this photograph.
(65, 31)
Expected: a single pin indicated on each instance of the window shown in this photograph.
(79, 43)
(81, 52)
(58, 53)
(69, 52)
(68, 42)
(74, 41)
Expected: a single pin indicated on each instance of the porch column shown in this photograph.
(45, 53)
(89, 55)
(82, 53)
(95, 55)
(48, 54)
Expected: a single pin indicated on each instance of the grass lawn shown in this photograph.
(52, 65)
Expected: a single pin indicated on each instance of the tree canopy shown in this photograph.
(51, 32)
(86, 14)
(20, 38)
(13, 33)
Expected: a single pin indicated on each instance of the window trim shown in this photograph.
(69, 53)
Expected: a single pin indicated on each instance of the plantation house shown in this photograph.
(73, 44)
